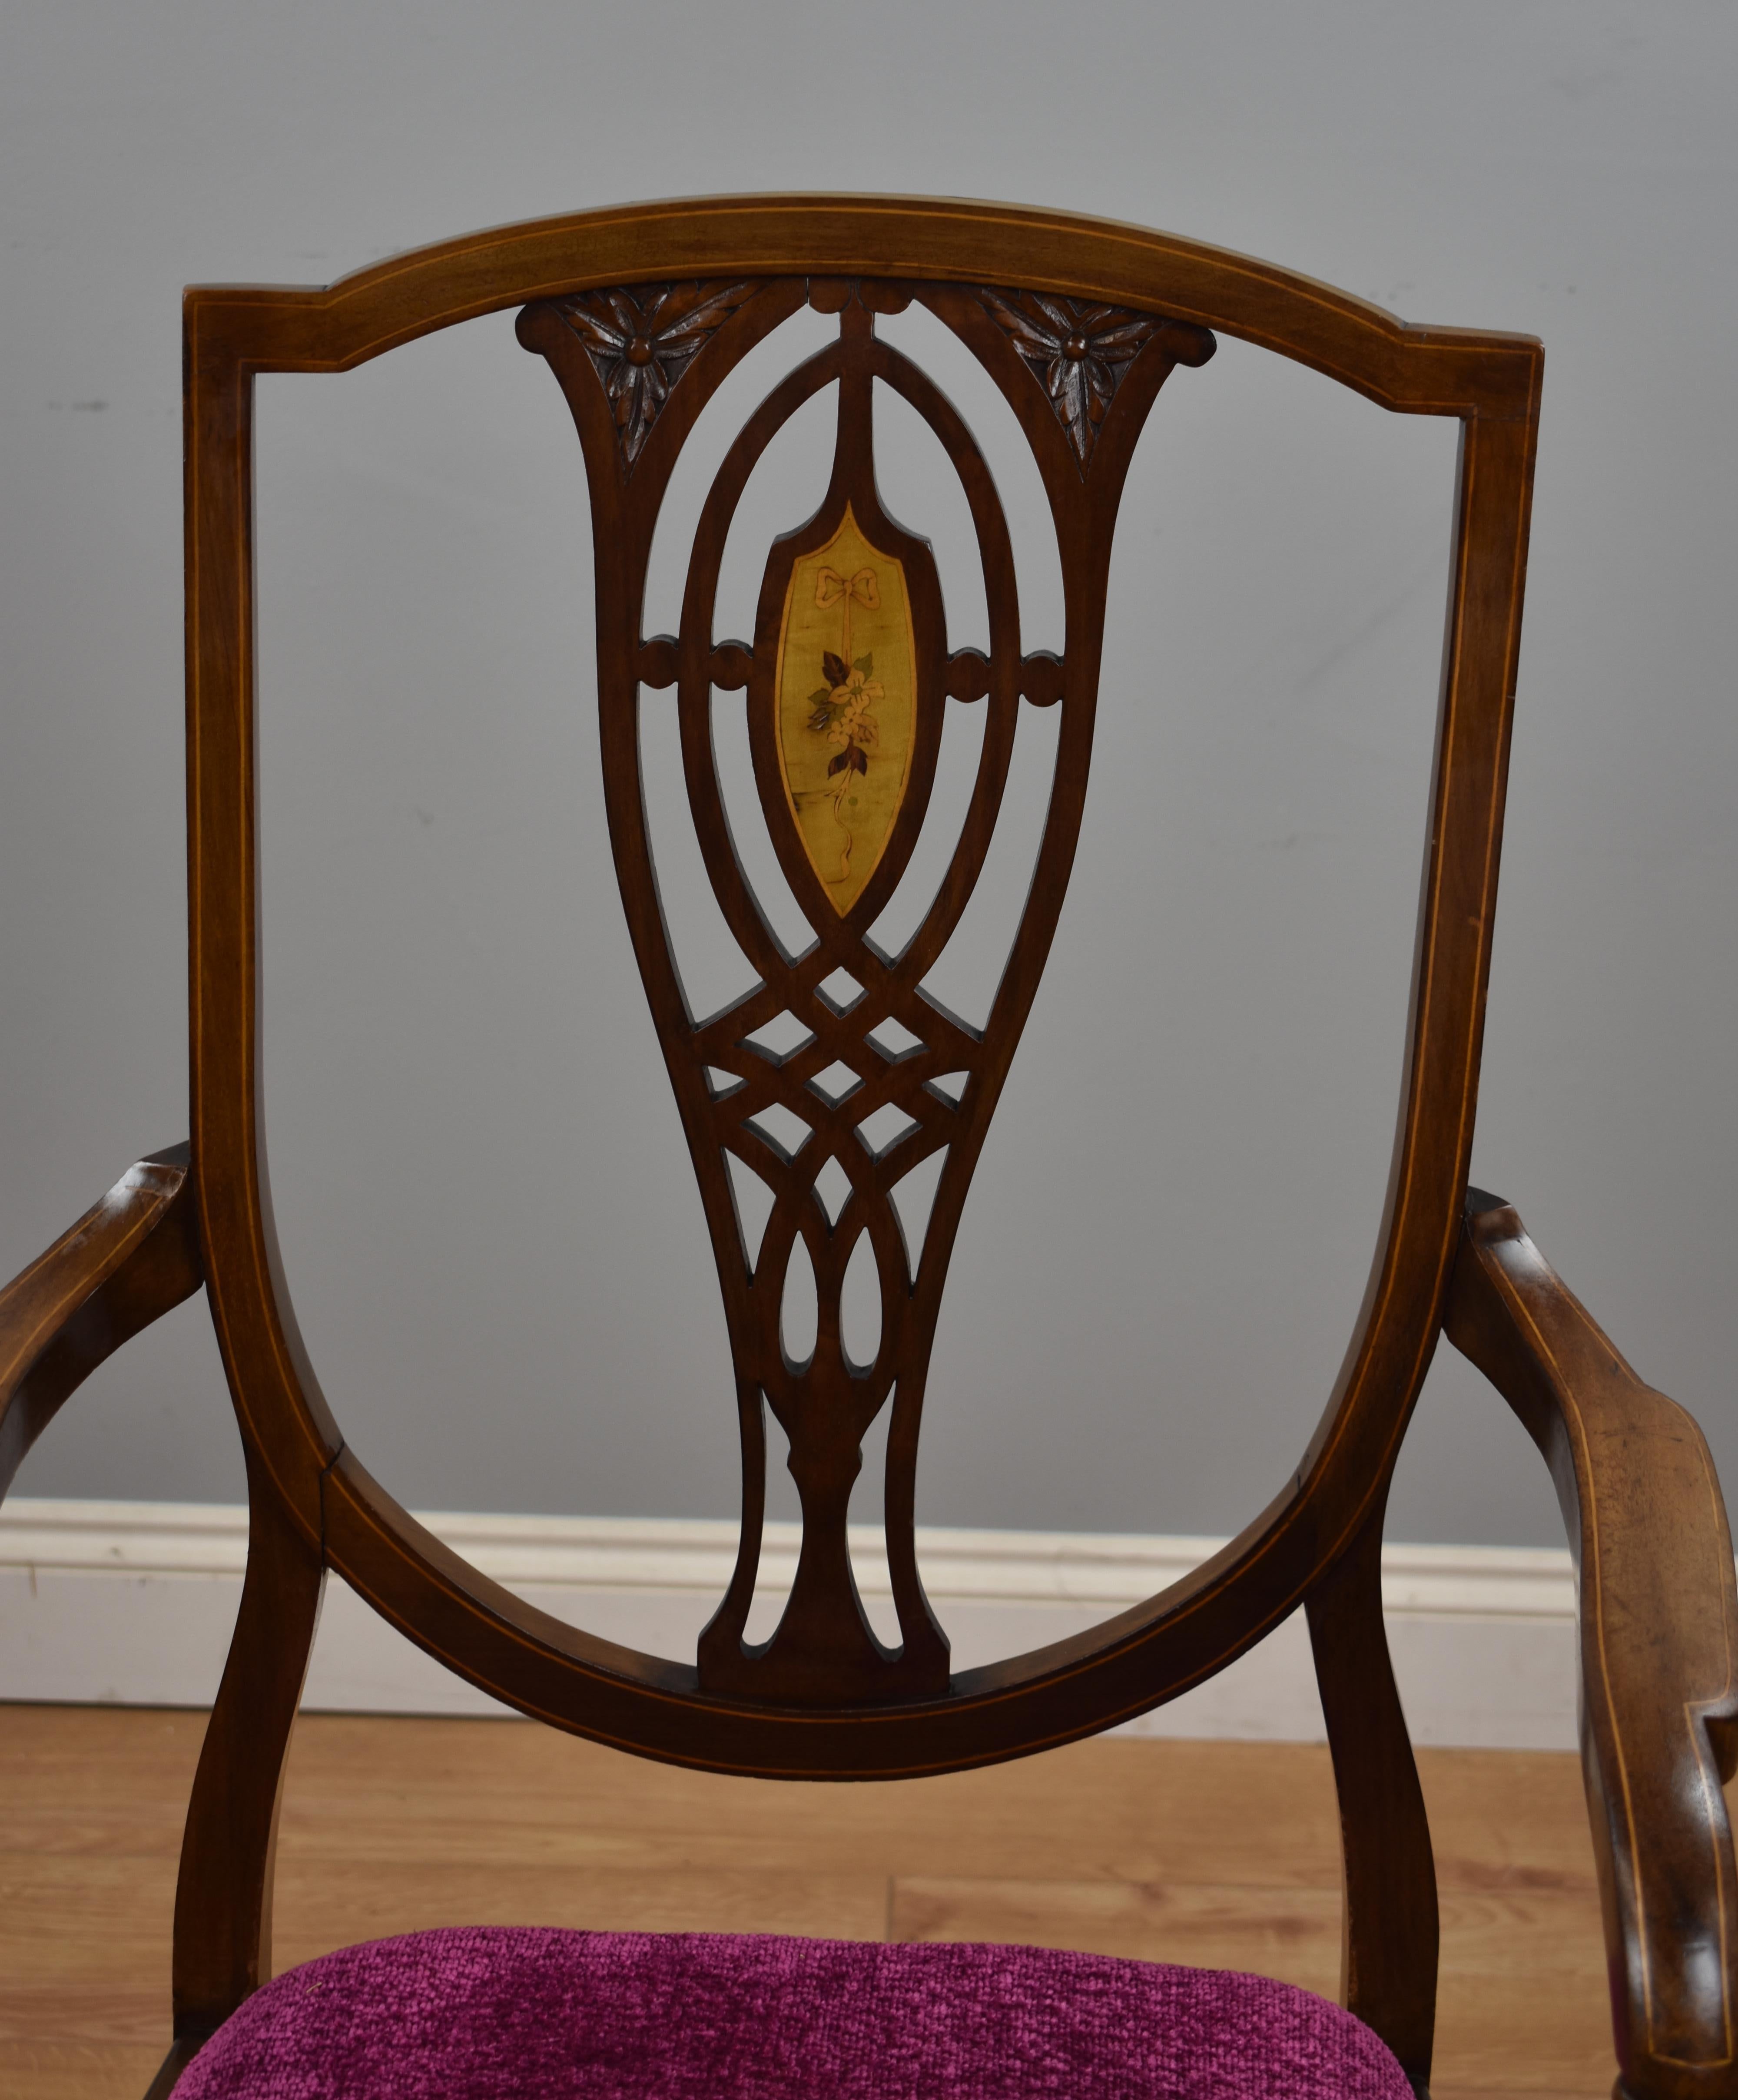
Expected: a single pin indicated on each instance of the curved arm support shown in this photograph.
(229, 1848)
(125, 1262)
(1659, 1640)
(1389, 1925)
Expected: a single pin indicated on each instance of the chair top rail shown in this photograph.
(1414, 369)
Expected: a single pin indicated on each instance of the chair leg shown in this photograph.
(180, 2055)
(1389, 1945)
(223, 1898)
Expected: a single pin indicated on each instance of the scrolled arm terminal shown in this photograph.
(127, 1261)
(1659, 1637)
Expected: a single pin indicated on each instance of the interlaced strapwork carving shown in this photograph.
(838, 1075)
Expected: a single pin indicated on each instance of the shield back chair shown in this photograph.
(640, 313)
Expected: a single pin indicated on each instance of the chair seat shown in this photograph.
(526, 2015)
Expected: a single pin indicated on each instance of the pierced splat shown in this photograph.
(838, 1087)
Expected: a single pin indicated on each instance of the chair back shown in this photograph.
(840, 1073)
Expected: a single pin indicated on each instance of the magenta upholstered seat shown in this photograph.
(497, 2015)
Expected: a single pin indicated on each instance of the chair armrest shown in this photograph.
(125, 1263)
(1659, 1637)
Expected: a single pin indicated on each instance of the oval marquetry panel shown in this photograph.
(844, 706)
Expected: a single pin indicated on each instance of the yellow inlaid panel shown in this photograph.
(845, 706)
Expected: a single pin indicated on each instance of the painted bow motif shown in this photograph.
(830, 587)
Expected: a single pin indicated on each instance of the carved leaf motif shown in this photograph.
(1080, 353)
(641, 338)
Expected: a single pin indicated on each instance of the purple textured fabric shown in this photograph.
(495, 2015)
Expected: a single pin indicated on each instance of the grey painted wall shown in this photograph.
(488, 1216)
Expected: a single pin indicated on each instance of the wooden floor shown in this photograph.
(1220, 1854)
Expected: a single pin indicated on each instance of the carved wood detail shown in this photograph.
(641, 339)
(862, 1107)
(1080, 352)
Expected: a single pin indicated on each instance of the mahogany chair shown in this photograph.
(640, 313)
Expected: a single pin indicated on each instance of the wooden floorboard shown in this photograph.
(1220, 1854)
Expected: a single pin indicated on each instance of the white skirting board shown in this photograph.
(133, 1603)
